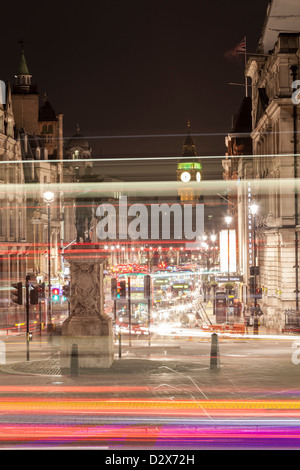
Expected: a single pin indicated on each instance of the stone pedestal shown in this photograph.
(87, 330)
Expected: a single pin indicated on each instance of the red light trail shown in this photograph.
(42, 421)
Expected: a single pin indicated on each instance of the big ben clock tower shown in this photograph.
(189, 171)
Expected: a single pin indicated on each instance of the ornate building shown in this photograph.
(275, 162)
(189, 170)
(238, 165)
(35, 119)
(31, 163)
(13, 228)
(269, 240)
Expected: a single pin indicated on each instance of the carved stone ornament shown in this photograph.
(87, 327)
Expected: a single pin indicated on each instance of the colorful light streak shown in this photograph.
(150, 407)
(197, 423)
(144, 434)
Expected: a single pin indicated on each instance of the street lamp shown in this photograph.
(254, 209)
(48, 199)
(228, 220)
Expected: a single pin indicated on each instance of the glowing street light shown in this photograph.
(48, 197)
(228, 219)
(253, 208)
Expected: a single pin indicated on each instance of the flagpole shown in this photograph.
(246, 81)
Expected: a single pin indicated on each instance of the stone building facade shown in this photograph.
(31, 153)
(13, 213)
(275, 173)
(266, 168)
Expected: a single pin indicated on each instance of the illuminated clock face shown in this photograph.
(185, 177)
(198, 176)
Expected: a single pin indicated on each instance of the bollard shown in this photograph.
(255, 326)
(214, 352)
(2, 352)
(120, 345)
(74, 360)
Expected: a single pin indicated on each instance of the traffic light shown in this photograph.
(113, 288)
(17, 297)
(66, 291)
(55, 294)
(34, 296)
(254, 270)
(147, 286)
(41, 291)
(258, 293)
(121, 290)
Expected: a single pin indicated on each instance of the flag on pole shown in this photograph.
(241, 47)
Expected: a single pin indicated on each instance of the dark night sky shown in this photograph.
(135, 68)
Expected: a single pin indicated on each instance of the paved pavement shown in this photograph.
(175, 369)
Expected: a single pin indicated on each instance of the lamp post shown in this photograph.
(213, 238)
(48, 199)
(253, 210)
(228, 220)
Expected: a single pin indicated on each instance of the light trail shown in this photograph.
(35, 422)
(149, 407)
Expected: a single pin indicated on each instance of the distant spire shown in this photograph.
(45, 98)
(189, 148)
(23, 69)
(77, 129)
(23, 77)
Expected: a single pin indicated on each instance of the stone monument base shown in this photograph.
(91, 339)
(92, 353)
(87, 334)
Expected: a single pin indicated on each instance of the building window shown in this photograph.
(76, 155)
(11, 227)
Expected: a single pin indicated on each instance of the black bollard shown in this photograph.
(214, 352)
(74, 360)
(255, 326)
(120, 345)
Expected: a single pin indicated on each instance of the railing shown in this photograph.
(292, 321)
